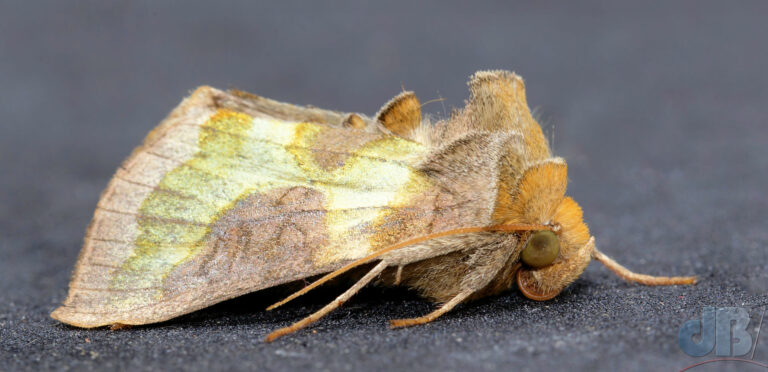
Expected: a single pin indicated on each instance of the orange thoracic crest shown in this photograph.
(233, 193)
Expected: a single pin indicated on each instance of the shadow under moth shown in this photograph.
(233, 193)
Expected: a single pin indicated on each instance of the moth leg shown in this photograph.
(446, 307)
(488, 262)
(331, 306)
(119, 326)
(634, 277)
(399, 274)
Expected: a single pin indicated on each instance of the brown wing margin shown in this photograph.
(209, 98)
(254, 105)
(108, 242)
(110, 237)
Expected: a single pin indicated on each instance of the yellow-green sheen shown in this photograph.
(238, 156)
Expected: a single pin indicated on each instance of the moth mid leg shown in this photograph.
(446, 307)
(483, 265)
(331, 306)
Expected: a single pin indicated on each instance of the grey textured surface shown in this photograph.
(660, 110)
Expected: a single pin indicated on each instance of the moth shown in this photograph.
(233, 193)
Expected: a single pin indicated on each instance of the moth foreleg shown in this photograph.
(446, 307)
(331, 306)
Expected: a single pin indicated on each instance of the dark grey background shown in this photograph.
(659, 108)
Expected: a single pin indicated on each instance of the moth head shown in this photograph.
(554, 257)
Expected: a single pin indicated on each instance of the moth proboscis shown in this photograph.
(233, 193)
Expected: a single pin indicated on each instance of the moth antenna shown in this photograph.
(361, 261)
(634, 277)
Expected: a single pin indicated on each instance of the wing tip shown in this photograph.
(67, 315)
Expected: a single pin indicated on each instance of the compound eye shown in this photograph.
(541, 250)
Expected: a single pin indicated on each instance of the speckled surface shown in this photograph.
(660, 110)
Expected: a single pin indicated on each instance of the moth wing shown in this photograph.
(229, 195)
(256, 105)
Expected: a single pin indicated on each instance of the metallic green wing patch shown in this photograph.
(238, 156)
